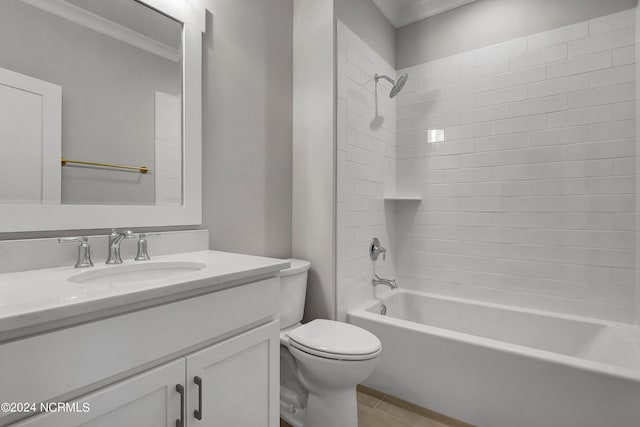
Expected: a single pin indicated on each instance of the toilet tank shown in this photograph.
(293, 291)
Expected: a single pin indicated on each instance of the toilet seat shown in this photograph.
(335, 340)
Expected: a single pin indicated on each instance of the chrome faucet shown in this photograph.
(377, 280)
(115, 238)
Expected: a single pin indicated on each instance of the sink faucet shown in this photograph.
(377, 280)
(115, 238)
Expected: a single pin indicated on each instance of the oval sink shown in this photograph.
(136, 272)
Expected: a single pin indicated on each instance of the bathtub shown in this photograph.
(498, 366)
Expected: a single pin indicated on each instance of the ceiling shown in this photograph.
(403, 12)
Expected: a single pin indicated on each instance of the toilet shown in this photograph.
(321, 362)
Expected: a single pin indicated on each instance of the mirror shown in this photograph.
(55, 204)
(90, 103)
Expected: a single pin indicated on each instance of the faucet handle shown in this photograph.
(143, 253)
(84, 250)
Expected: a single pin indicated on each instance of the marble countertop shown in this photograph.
(38, 300)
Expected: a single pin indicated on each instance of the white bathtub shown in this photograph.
(497, 366)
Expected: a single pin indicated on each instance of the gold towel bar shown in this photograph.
(141, 169)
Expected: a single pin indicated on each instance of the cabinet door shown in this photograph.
(146, 400)
(240, 381)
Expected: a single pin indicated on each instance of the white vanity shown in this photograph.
(198, 347)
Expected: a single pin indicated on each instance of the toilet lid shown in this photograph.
(333, 339)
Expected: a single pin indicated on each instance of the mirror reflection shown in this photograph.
(90, 103)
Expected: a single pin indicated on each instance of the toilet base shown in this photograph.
(294, 419)
(332, 408)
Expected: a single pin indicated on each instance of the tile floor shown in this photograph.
(376, 409)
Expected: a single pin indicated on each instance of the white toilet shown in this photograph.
(321, 362)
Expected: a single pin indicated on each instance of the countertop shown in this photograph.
(39, 300)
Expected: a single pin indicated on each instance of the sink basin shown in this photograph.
(136, 272)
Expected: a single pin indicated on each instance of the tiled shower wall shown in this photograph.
(530, 199)
(366, 119)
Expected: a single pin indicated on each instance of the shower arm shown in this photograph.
(377, 77)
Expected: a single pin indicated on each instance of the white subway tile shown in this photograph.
(602, 42)
(486, 158)
(485, 69)
(521, 77)
(501, 96)
(451, 62)
(450, 147)
(613, 76)
(467, 175)
(559, 35)
(624, 221)
(503, 142)
(502, 50)
(538, 57)
(519, 172)
(603, 95)
(581, 117)
(441, 120)
(602, 203)
(520, 124)
(444, 162)
(613, 185)
(624, 166)
(468, 131)
(612, 22)
(538, 106)
(584, 64)
(558, 86)
(624, 56)
(580, 169)
(615, 130)
(625, 111)
(486, 114)
(568, 135)
(558, 187)
(538, 155)
(602, 150)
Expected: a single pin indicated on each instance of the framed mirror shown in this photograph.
(100, 113)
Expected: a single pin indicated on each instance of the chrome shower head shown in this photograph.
(397, 85)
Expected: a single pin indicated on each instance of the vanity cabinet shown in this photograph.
(126, 367)
(239, 381)
(149, 399)
(233, 383)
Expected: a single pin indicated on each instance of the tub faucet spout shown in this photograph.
(377, 280)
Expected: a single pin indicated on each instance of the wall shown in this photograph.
(637, 169)
(313, 204)
(530, 200)
(366, 20)
(488, 22)
(247, 154)
(366, 124)
(108, 99)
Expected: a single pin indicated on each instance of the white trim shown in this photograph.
(19, 218)
(102, 25)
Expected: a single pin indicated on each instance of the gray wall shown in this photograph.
(108, 99)
(365, 19)
(247, 114)
(488, 22)
(313, 203)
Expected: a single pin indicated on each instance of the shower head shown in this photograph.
(397, 85)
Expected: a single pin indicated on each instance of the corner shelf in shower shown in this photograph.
(397, 198)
